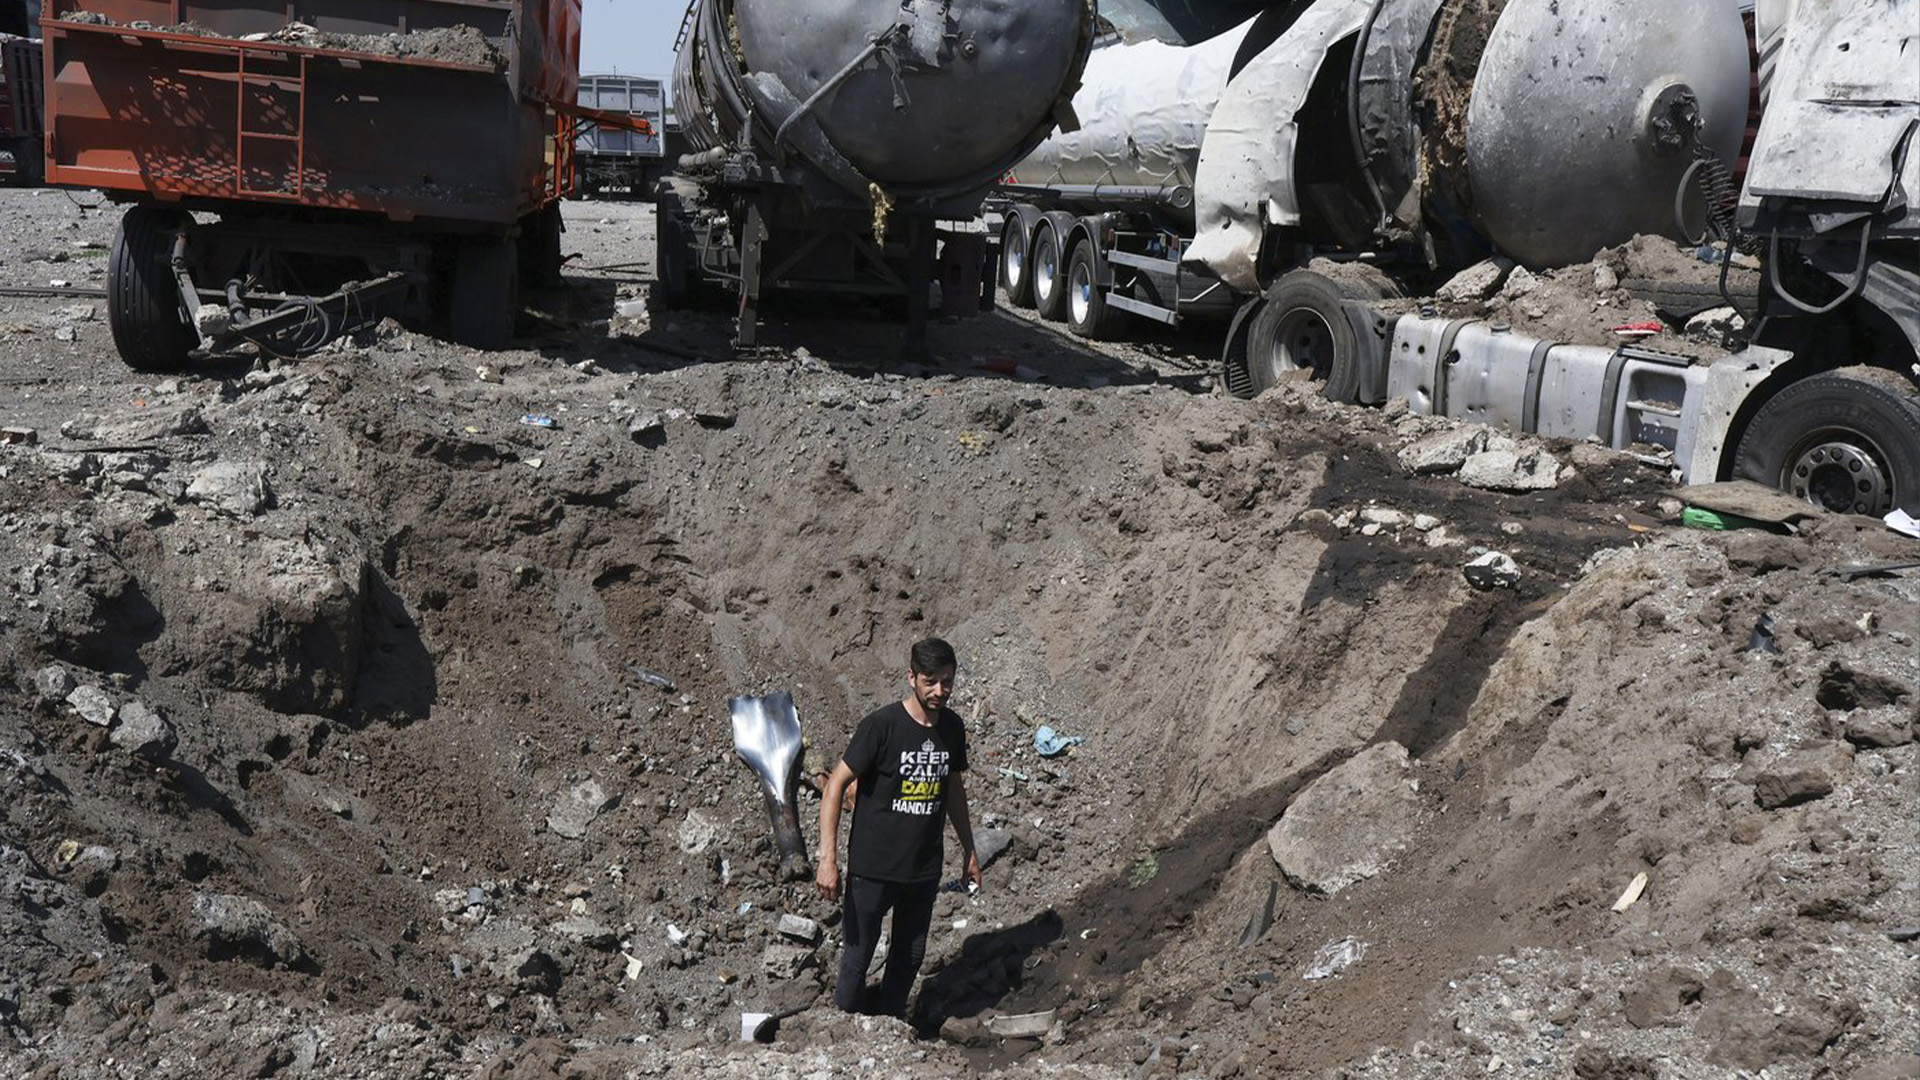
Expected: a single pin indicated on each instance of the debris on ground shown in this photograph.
(325, 752)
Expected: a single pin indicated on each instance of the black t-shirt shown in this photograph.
(899, 816)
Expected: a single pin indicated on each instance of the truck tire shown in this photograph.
(1016, 275)
(1683, 300)
(1304, 328)
(1049, 269)
(484, 293)
(1088, 313)
(143, 296)
(1848, 440)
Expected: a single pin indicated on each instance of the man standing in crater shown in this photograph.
(908, 758)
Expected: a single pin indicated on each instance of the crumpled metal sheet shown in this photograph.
(1143, 111)
(1383, 103)
(1842, 90)
(1244, 181)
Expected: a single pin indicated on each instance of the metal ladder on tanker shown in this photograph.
(286, 89)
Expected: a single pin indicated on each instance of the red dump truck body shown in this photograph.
(414, 110)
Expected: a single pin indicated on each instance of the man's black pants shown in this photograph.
(866, 903)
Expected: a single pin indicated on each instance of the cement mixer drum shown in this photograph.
(1584, 118)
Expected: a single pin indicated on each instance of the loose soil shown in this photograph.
(396, 631)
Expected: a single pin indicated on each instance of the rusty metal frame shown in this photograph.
(213, 173)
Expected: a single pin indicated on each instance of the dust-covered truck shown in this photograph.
(830, 138)
(1389, 144)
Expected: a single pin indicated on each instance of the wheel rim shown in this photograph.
(1301, 342)
(1080, 293)
(1046, 268)
(1013, 257)
(1841, 471)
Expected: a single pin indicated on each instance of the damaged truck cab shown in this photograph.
(1406, 139)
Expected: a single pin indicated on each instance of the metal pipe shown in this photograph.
(1173, 196)
(874, 45)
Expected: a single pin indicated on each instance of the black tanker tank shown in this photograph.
(832, 120)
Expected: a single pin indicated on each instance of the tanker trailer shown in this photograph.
(1393, 142)
(829, 137)
(1341, 127)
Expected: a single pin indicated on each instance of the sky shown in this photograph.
(629, 37)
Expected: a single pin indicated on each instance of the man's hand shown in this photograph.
(828, 875)
(828, 878)
(973, 870)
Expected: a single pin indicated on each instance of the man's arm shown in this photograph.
(827, 877)
(963, 825)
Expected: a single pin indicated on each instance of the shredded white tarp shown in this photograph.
(1245, 177)
(1143, 109)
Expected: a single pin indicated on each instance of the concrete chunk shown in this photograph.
(1802, 775)
(1444, 451)
(93, 705)
(578, 808)
(52, 683)
(799, 928)
(144, 732)
(1511, 470)
(1348, 825)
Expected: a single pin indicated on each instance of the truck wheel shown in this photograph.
(1049, 275)
(143, 296)
(1303, 328)
(1088, 313)
(1848, 440)
(1016, 275)
(485, 292)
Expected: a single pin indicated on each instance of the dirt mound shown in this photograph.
(423, 813)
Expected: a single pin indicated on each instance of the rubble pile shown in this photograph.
(364, 716)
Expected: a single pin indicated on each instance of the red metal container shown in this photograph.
(168, 99)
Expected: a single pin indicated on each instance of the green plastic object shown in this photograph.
(1695, 517)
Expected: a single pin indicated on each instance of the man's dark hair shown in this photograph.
(930, 656)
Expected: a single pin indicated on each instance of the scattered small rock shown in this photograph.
(145, 732)
(1880, 728)
(799, 928)
(93, 705)
(1802, 775)
(1494, 570)
(784, 961)
(578, 808)
(1444, 451)
(698, 832)
(238, 488)
(52, 683)
(1511, 470)
(236, 927)
(586, 931)
(1476, 282)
